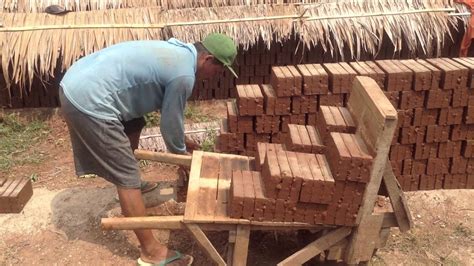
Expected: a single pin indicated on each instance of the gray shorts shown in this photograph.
(100, 147)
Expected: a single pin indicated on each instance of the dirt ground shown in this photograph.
(61, 223)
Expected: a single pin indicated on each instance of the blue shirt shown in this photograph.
(130, 79)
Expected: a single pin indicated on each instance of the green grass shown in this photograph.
(209, 142)
(17, 139)
(152, 119)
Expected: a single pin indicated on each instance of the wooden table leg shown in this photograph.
(230, 247)
(241, 245)
(204, 242)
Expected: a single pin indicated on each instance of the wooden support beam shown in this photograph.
(204, 242)
(178, 159)
(397, 199)
(365, 239)
(241, 245)
(316, 247)
(148, 222)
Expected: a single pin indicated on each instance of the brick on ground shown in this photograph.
(14, 194)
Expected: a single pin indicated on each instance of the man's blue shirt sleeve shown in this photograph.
(172, 112)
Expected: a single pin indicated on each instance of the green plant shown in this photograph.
(152, 119)
(209, 142)
(34, 177)
(17, 139)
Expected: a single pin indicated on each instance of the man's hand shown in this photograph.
(191, 145)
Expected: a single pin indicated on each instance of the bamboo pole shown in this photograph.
(295, 17)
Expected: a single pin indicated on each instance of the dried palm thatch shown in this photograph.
(32, 43)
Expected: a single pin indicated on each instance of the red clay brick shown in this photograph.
(412, 135)
(370, 69)
(412, 99)
(317, 145)
(468, 148)
(236, 199)
(437, 133)
(435, 73)
(422, 75)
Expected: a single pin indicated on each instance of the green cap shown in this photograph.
(223, 48)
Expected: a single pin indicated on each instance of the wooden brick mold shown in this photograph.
(334, 119)
(453, 74)
(398, 76)
(304, 139)
(315, 79)
(14, 194)
(348, 157)
(341, 76)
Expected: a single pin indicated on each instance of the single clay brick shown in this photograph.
(280, 81)
(242, 99)
(269, 97)
(307, 182)
(468, 148)
(317, 145)
(435, 73)
(236, 199)
(321, 79)
(245, 124)
(296, 105)
(249, 195)
(258, 99)
(458, 165)
(286, 176)
(305, 139)
(338, 155)
(232, 116)
(439, 179)
(425, 151)
(271, 174)
(412, 135)
(469, 115)
(460, 98)
(412, 99)
(298, 177)
(422, 75)
(297, 81)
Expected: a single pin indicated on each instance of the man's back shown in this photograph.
(128, 80)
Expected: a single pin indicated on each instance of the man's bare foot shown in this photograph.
(161, 255)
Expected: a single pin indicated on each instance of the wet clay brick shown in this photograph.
(236, 197)
(469, 63)
(468, 148)
(398, 77)
(262, 148)
(317, 145)
(249, 195)
(341, 76)
(331, 99)
(315, 79)
(232, 117)
(421, 74)
(369, 69)
(412, 99)
(412, 135)
(453, 75)
(267, 124)
(436, 133)
(436, 98)
(450, 116)
(334, 119)
(435, 73)
(425, 117)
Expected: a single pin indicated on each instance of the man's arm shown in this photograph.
(172, 113)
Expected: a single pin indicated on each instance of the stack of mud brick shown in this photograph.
(433, 145)
(14, 194)
(308, 179)
(435, 99)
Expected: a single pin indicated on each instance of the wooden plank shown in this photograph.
(397, 199)
(208, 187)
(148, 222)
(178, 159)
(241, 245)
(193, 186)
(365, 239)
(337, 251)
(223, 185)
(316, 247)
(204, 242)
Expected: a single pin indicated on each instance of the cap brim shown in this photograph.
(232, 71)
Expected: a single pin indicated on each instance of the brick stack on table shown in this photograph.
(433, 145)
(305, 180)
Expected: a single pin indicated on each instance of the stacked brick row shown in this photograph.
(432, 147)
(304, 180)
(434, 98)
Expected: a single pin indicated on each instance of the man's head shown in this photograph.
(215, 53)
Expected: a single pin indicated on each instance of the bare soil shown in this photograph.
(61, 223)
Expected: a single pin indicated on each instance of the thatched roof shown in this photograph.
(31, 43)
